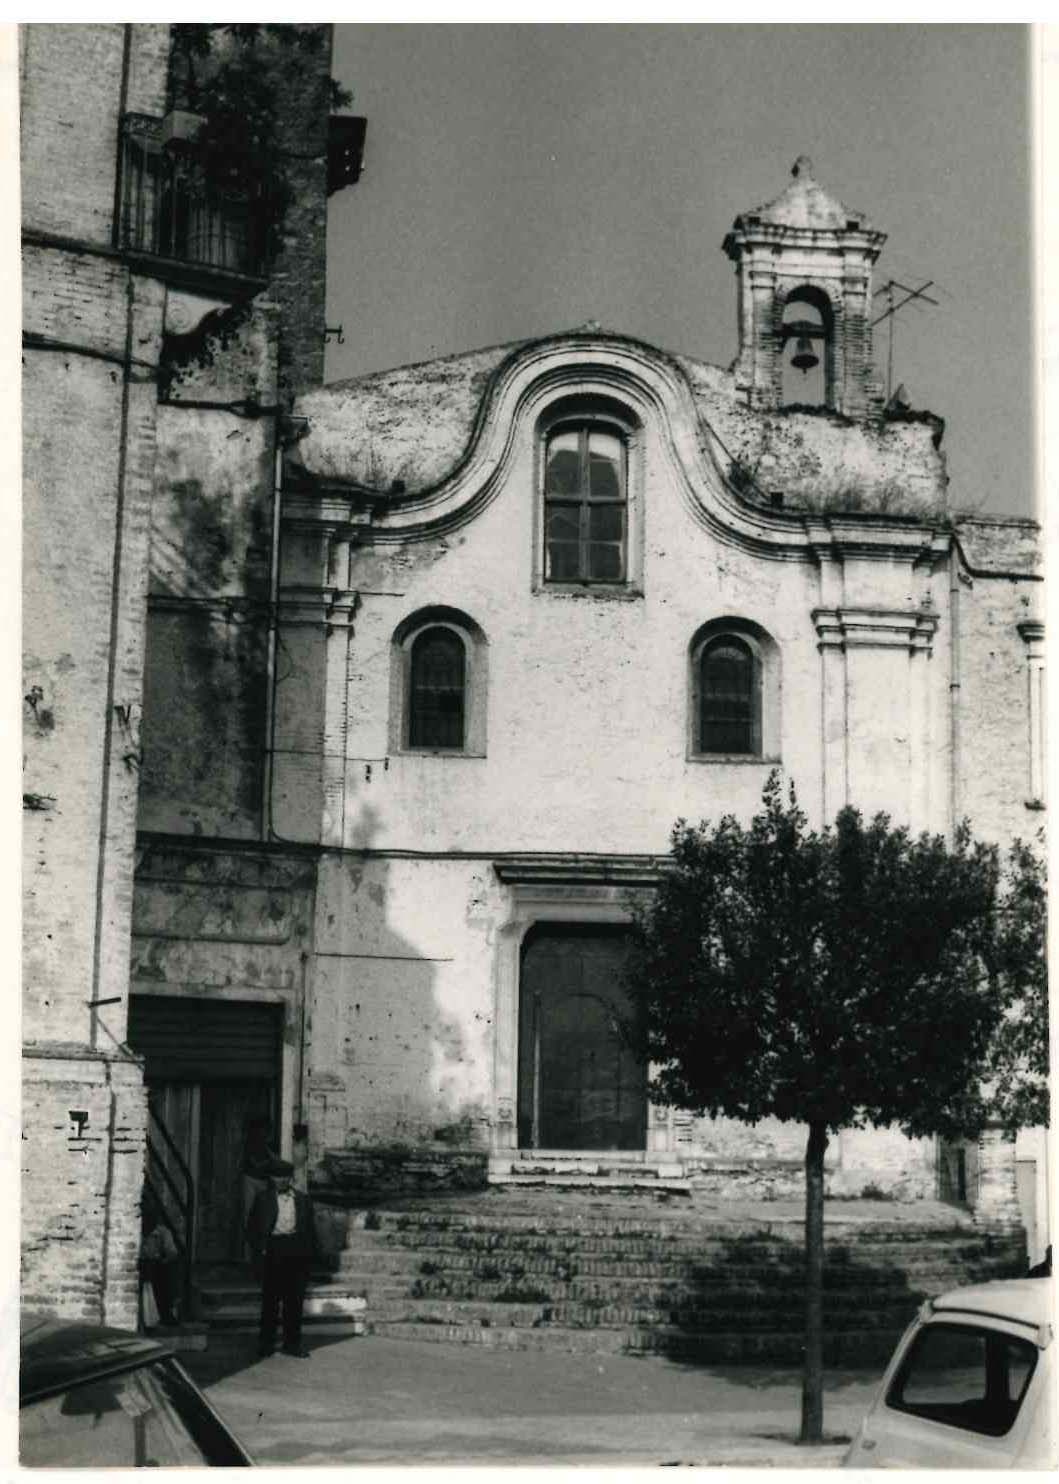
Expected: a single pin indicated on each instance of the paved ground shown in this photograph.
(376, 1401)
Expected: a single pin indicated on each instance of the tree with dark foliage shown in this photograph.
(838, 978)
(1017, 1063)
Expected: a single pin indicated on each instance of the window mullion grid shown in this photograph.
(584, 505)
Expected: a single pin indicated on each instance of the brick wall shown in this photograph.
(77, 80)
(81, 1184)
(89, 451)
(298, 280)
(92, 336)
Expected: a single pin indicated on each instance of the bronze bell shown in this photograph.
(804, 357)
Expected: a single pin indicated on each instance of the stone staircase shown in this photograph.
(586, 1271)
(228, 1298)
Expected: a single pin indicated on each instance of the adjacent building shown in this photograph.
(170, 317)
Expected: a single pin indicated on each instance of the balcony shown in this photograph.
(169, 212)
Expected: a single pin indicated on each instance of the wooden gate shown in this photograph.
(580, 1086)
(211, 1067)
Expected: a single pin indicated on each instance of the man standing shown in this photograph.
(281, 1233)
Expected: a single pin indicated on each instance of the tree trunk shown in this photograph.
(813, 1376)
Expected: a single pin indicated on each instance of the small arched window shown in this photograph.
(734, 704)
(437, 689)
(585, 504)
(439, 684)
(729, 697)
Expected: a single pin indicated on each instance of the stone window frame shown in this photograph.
(610, 414)
(475, 681)
(766, 721)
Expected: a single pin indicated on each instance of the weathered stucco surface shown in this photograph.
(585, 746)
(411, 424)
(404, 431)
(402, 1022)
(211, 552)
(230, 925)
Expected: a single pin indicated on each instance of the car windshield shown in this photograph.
(966, 1377)
(125, 1421)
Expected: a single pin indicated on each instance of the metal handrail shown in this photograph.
(185, 1203)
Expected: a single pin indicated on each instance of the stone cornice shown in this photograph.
(327, 511)
(574, 870)
(875, 628)
(310, 606)
(749, 236)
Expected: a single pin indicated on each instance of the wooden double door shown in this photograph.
(208, 1123)
(581, 1086)
(211, 1066)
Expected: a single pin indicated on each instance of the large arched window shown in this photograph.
(734, 709)
(585, 499)
(438, 684)
(436, 694)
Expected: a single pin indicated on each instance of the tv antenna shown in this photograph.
(890, 313)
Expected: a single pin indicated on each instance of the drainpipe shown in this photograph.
(273, 626)
(955, 760)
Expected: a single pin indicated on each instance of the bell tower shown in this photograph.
(804, 265)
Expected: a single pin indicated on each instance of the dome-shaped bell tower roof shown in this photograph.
(805, 204)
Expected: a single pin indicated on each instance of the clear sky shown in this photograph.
(522, 179)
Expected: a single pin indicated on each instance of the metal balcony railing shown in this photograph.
(169, 211)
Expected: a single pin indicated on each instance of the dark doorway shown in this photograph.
(210, 1067)
(580, 1086)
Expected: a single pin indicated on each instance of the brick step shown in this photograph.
(433, 1263)
(556, 1180)
(214, 1292)
(660, 1295)
(853, 1347)
(659, 1220)
(602, 1235)
(770, 1268)
(237, 1305)
(692, 1318)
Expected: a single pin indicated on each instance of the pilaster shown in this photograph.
(1032, 634)
(875, 711)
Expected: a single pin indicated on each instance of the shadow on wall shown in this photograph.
(207, 645)
(380, 1020)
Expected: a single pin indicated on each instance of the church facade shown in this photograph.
(366, 709)
(534, 603)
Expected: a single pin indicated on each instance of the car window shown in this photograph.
(126, 1421)
(965, 1377)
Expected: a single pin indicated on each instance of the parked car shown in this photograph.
(92, 1397)
(971, 1384)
